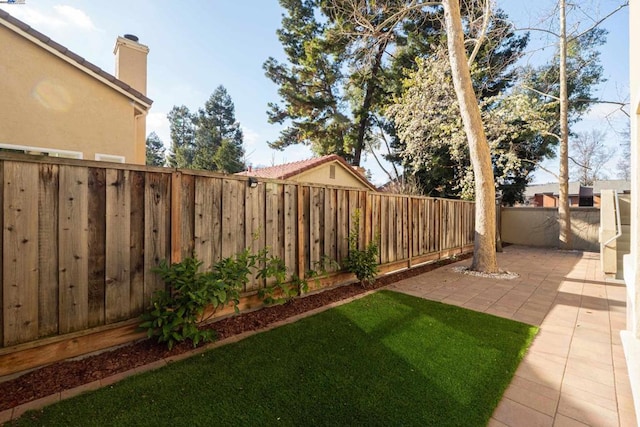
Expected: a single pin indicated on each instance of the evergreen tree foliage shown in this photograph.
(215, 124)
(155, 150)
(182, 132)
(310, 83)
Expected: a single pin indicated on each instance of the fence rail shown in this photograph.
(80, 238)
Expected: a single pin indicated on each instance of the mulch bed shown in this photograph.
(73, 373)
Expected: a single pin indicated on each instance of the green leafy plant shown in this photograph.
(361, 262)
(281, 290)
(178, 311)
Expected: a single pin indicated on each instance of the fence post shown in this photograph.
(176, 216)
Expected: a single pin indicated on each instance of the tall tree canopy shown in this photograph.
(182, 131)
(310, 84)
(155, 150)
(432, 147)
(210, 139)
(216, 124)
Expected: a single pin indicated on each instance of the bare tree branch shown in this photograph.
(600, 21)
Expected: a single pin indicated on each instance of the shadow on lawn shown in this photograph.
(385, 359)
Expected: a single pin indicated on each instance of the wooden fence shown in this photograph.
(80, 238)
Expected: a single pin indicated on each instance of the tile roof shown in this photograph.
(5, 16)
(287, 170)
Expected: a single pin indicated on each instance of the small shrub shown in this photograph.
(177, 312)
(282, 291)
(361, 262)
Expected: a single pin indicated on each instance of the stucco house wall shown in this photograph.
(323, 175)
(48, 102)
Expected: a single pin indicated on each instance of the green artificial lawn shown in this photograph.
(388, 359)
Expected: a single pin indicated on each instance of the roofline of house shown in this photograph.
(319, 162)
(73, 59)
(341, 160)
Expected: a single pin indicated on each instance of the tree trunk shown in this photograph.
(484, 256)
(564, 215)
(366, 104)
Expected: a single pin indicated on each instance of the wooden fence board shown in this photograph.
(330, 227)
(304, 236)
(274, 221)
(136, 243)
(316, 226)
(343, 224)
(204, 214)
(187, 202)
(233, 227)
(290, 228)
(48, 250)
(274, 206)
(96, 222)
(118, 246)
(254, 210)
(73, 249)
(157, 223)
(20, 255)
(100, 231)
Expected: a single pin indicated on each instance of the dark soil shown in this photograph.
(73, 373)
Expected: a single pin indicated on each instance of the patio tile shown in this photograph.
(495, 423)
(591, 398)
(553, 343)
(587, 413)
(513, 413)
(599, 372)
(533, 395)
(563, 421)
(586, 384)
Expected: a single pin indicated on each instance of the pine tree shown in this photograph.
(310, 84)
(155, 150)
(216, 124)
(182, 131)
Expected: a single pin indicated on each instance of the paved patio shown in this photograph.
(575, 372)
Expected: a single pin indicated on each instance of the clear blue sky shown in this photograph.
(197, 45)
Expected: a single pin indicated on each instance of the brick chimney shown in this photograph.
(131, 62)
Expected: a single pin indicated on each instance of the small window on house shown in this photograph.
(332, 172)
(109, 158)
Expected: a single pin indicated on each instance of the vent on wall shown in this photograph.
(332, 172)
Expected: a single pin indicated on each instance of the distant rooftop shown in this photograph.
(288, 170)
(618, 185)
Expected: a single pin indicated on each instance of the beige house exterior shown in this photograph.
(326, 170)
(57, 103)
(631, 336)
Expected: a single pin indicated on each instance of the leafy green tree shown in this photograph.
(182, 132)
(216, 123)
(432, 146)
(155, 150)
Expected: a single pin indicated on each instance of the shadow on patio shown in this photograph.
(575, 372)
